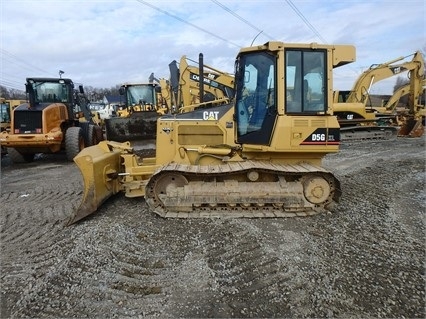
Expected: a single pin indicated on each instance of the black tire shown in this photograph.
(94, 135)
(85, 127)
(99, 133)
(74, 142)
(3, 151)
(91, 136)
(18, 157)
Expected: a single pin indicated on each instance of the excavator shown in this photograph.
(146, 102)
(56, 118)
(258, 156)
(361, 122)
(190, 91)
(408, 106)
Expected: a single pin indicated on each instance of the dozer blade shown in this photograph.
(140, 126)
(99, 167)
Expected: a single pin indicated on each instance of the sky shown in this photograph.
(103, 43)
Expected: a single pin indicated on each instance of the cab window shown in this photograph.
(305, 81)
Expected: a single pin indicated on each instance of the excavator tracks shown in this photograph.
(362, 133)
(241, 190)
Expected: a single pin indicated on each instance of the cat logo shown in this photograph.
(210, 116)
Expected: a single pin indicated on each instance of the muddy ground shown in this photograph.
(364, 260)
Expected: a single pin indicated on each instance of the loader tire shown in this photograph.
(95, 135)
(85, 127)
(91, 136)
(74, 142)
(18, 157)
(99, 133)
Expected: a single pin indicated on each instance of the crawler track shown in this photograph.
(362, 133)
(247, 189)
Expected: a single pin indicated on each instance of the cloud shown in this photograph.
(104, 43)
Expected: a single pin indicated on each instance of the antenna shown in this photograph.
(255, 38)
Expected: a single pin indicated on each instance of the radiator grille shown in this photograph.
(27, 121)
(318, 123)
(300, 123)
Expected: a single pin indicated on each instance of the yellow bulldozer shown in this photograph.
(56, 118)
(360, 121)
(259, 156)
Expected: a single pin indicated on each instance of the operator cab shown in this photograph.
(257, 108)
(49, 90)
(143, 95)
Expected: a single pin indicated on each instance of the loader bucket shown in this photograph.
(140, 126)
(99, 167)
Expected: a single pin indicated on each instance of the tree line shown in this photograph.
(93, 94)
(97, 94)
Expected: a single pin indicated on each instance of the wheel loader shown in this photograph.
(56, 118)
(259, 156)
(184, 91)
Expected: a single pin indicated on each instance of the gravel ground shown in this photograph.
(366, 259)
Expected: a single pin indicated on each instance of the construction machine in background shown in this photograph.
(7, 107)
(102, 111)
(136, 120)
(56, 118)
(184, 91)
(5, 110)
(191, 91)
(14, 102)
(259, 156)
(407, 104)
(360, 121)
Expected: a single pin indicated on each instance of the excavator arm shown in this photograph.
(359, 122)
(379, 72)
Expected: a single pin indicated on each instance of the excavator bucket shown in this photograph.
(99, 166)
(412, 128)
